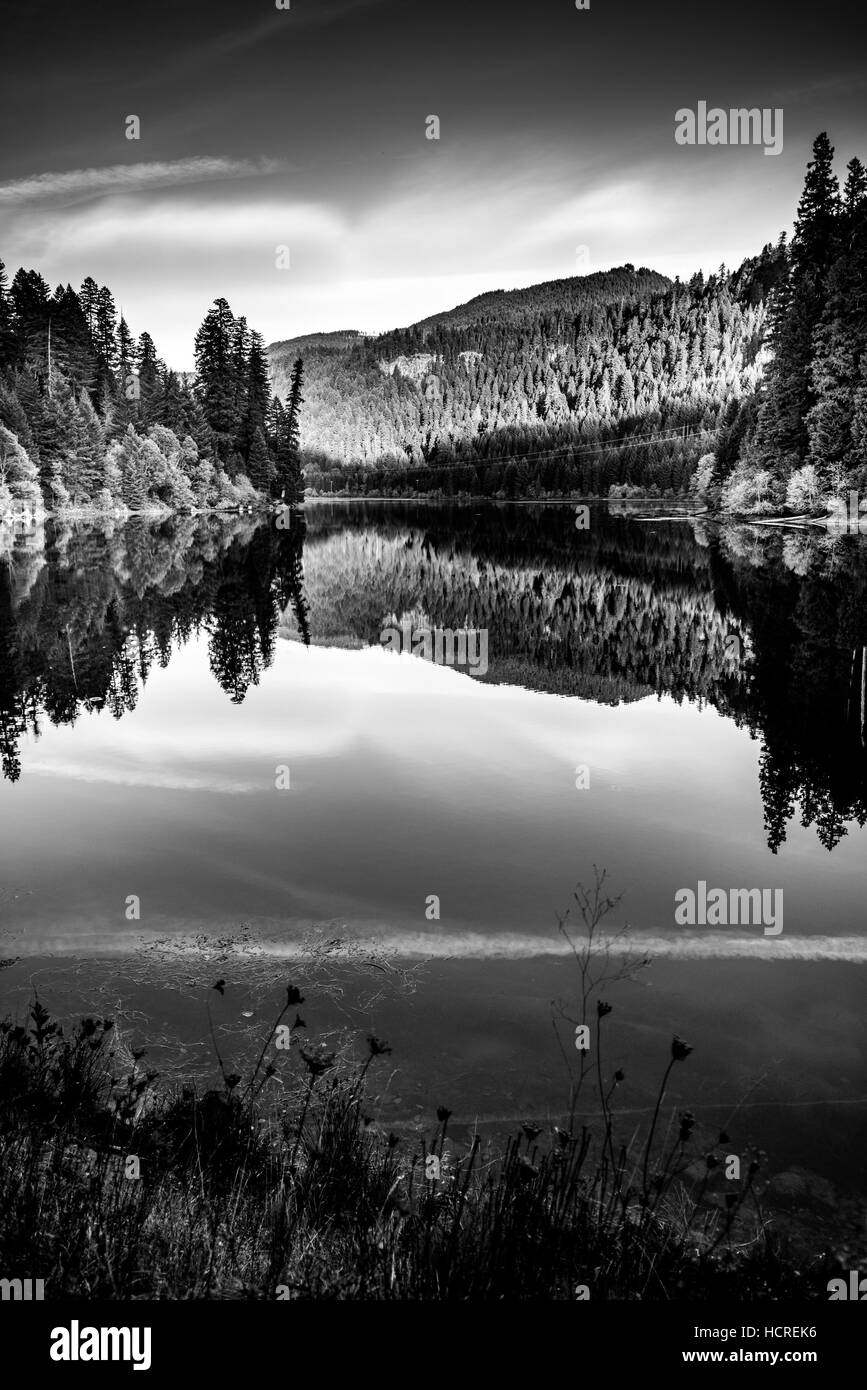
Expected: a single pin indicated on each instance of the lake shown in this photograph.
(214, 766)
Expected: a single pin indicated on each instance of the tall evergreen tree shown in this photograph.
(259, 467)
(7, 338)
(840, 340)
(216, 367)
(169, 406)
(121, 401)
(782, 439)
(88, 297)
(148, 377)
(814, 245)
(30, 310)
(257, 393)
(71, 346)
(106, 344)
(289, 482)
(240, 357)
(83, 466)
(125, 355)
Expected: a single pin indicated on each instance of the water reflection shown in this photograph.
(769, 629)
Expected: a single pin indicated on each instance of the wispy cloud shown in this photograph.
(178, 223)
(75, 184)
(278, 24)
(842, 83)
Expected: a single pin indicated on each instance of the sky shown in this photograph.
(283, 160)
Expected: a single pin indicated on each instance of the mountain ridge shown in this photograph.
(512, 374)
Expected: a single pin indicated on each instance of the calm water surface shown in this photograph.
(153, 681)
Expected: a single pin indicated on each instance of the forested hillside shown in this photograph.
(92, 419)
(534, 383)
(747, 389)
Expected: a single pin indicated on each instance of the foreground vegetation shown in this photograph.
(239, 1197)
(281, 1184)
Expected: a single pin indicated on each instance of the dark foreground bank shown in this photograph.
(280, 1185)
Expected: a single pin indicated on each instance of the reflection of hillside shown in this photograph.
(613, 614)
(570, 624)
(628, 609)
(533, 537)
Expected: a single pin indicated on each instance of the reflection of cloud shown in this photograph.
(130, 178)
(127, 777)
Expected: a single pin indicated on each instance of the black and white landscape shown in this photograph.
(433, 657)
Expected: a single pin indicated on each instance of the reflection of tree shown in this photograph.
(259, 584)
(625, 610)
(615, 613)
(11, 724)
(236, 657)
(83, 632)
(806, 698)
(290, 574)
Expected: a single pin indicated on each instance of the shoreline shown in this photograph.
(826, 524)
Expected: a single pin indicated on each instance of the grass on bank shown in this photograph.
(281, 1184)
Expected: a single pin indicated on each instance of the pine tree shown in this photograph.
(216, 386)
(855, 190)
(782, 440)
(30, 310)
(169, 407)
(148, 365)
(13, 414)
(195, 423)
(240, 357)
(127, 383)
(19, 477)
(7, 338)
(127, 454)
(88, 297)
(259, 467)
(814, 245)
(71, 346)
(257, 393)
(83, 468)
(289, 479)
(106, 343)
(840, 340)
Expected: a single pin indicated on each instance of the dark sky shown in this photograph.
(305, 128)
